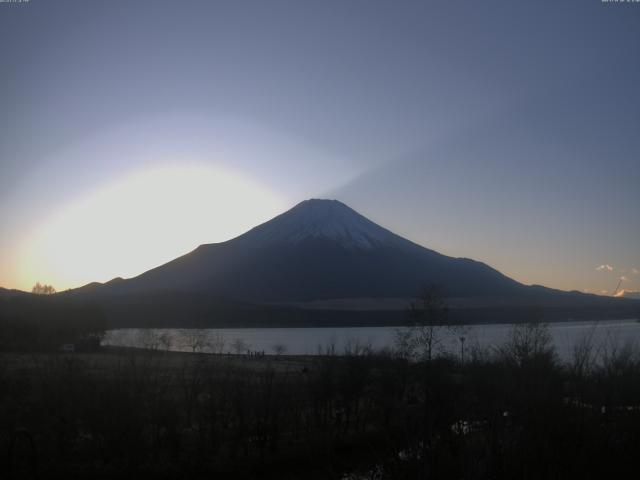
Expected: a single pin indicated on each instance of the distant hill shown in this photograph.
(10, 293)
(93, 286)
(635, 295)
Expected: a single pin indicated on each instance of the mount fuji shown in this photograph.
(322, 263)
(320, 249)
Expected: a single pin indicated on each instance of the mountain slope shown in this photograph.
(11, 293)
(319, 249)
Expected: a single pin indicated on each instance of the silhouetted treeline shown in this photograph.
(190, 310)
(45, 323)
(512, 412)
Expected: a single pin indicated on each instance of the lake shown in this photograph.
(310, 341)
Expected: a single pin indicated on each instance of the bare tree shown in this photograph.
(279, 348)
(585, 353)
(404, 344)
(41, 289)
(166, 340)
(149, 339)
(239, 346)
(429, 322)
(217, 343)
(527, 342)
(354, 347)
(197, 340)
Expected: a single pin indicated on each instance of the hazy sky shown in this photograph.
(131, 131)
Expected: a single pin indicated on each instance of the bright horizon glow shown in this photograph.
(140, 222)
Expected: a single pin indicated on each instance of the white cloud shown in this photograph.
(635, 271)
(604, 267)
(623, 278)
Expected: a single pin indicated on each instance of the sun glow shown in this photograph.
(142, 221)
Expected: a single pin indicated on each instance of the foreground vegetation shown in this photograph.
(37, 323)
(512, 412)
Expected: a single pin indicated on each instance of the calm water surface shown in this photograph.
(309, 341)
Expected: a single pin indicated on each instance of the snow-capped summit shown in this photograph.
(322, 219)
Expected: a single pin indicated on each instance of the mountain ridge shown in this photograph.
(322, 218)
(321, 263)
